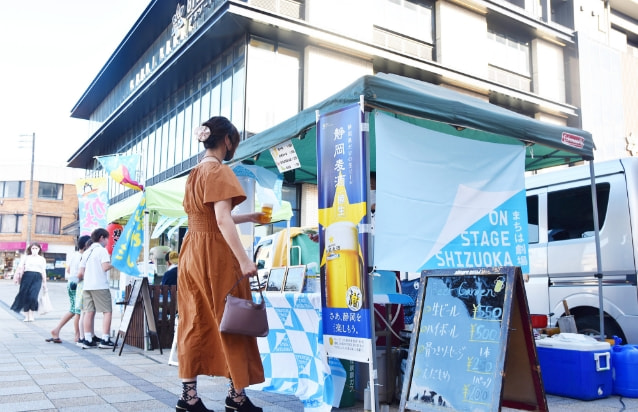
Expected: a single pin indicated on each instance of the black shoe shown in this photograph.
(246, 406)
(89, 345)
(106, 344)
(96, 340)
(197, 407)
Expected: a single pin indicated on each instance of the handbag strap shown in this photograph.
(242, 278)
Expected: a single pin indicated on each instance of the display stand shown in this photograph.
(472, 348)
(138, 299)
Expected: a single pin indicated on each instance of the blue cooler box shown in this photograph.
(576, 366)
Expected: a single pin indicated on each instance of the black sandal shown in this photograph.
(198, 406)
(245, 406)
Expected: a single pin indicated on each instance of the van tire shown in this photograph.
(590, 325)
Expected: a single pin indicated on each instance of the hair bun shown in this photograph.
(202, 133)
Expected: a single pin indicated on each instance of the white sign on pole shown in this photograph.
(285, 156)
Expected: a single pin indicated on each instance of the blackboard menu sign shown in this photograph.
(460, 344)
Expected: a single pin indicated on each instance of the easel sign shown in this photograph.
(139, 297)
(472, 348)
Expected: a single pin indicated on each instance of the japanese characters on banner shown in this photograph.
(92, 203)
(462, 201)
(130, 244)
(342, 190)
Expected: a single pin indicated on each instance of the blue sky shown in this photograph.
(52, 50)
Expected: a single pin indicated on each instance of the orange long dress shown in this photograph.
(207, 271)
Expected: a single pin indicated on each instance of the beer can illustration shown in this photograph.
(344, 270)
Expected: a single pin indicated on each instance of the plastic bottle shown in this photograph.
(624, 362)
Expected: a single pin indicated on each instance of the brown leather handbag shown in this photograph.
(244, 316)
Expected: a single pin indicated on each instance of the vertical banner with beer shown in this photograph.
(342, 163)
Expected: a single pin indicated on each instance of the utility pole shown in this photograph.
(30, 209)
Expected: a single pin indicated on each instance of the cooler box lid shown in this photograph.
(573, 341)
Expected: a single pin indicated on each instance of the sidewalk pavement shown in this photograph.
(40, 376)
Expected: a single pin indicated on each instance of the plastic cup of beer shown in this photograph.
(266, 209)
(343, 266)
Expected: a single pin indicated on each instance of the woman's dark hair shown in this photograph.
(34, 244)
(220, 127)
(99, 233)
(84, 241)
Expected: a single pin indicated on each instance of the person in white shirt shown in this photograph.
(34, 277)
(72, 276)
(94, 268)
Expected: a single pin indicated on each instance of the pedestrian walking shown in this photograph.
(96, 294)
(71, 287)
(212, 258)
(34, 277)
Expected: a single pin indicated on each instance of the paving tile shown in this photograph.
(70, 394)
(43, 405)
(19, 390)
(151, 405)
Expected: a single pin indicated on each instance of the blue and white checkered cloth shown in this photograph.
(292, 353)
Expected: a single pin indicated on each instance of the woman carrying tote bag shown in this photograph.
(33, 279)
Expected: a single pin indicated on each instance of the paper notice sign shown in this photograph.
(285, 157)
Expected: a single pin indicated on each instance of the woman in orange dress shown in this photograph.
(211, 260)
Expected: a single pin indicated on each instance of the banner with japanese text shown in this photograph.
(131, 241)
(342, 163)
(447, 202)
(92, 203)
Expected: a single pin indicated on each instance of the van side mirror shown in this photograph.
(260, 264)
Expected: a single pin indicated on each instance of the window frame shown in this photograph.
(58, 187)
(17, 222)
(54, 227)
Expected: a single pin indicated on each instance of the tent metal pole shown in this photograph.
(146, 269)
(599, 263)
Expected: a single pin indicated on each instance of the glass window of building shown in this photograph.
(52, 191)
(509, 53)
(47, 225)
(12, 189)
(407, 17)
(292, 194)
(10, 223)
(272, 90)
(509, 59)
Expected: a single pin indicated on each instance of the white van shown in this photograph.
(562, 251)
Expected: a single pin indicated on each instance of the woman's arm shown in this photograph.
(43, 271)
(247, 217)
(226, 225)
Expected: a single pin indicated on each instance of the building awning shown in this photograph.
(19, 246)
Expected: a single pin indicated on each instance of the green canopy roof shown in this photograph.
(430, 106)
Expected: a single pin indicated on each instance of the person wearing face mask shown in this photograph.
(211, 260)
(34, 277)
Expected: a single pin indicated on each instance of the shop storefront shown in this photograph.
(10, 253)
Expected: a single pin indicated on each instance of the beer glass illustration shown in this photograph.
(343, 266)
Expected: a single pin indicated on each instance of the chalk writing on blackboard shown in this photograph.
(459, 344)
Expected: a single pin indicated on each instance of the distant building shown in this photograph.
(259, 62)
(55, 206)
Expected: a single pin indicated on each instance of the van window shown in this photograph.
(532, 218)
(570, 212)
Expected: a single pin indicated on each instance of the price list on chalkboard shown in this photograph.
(459, 344)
